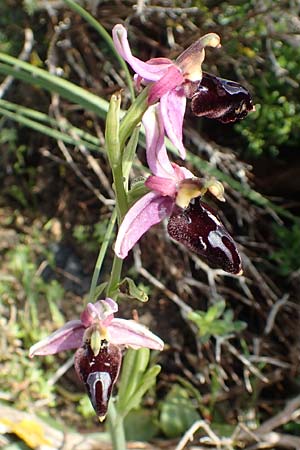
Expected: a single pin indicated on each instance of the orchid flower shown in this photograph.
(175, 193)
(99, 338)
(175, 81)
(171, 79)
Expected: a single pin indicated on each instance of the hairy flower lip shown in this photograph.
(98, 372)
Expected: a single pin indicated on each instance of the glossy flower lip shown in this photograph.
(98, 373)
(220, 99)
(100, 316)
(169, 79)
(199, 229)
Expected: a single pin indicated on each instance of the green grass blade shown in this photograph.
(52, 83)
(51, 132)
(38, 116)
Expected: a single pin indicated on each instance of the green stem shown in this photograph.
(116, 135)
(114, 277)
(133, 116)
(121, 196)
(102, 252)
(116, 428)
(106, 37)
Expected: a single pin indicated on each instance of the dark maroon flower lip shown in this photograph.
(199, 229)
(220, 99)
(98, 373)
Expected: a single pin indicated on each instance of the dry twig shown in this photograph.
(23, 56)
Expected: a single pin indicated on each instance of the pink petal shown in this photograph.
(146, 212)
(182, 173)
(164, 186)
(157, 157)
(133, 334)
(172, 107)
(100, 311)
(170, 80)
(67, 337)
(150, 71)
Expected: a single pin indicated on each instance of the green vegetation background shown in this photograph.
(43, 200)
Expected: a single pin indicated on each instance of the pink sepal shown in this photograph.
(170, 80)
(68, 337)
(156, 152)
(172, 107)
(149, 210)
(164, 186)
(151, 71)
(134, 335)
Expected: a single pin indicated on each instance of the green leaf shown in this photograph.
(133, 117)
(112, 130)
(114, 152)
(129, 152)
(211, 323)
(177, 412)
(39, 121)
(135, 380)
(141, 425)
(215, 311)
(147, 381)
(134, 364)
(137, 190)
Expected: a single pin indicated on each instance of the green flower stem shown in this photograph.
(116, 136)
(121, 196)
(102, 252)
(116, 428)
(133, 116)
(115, 277)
